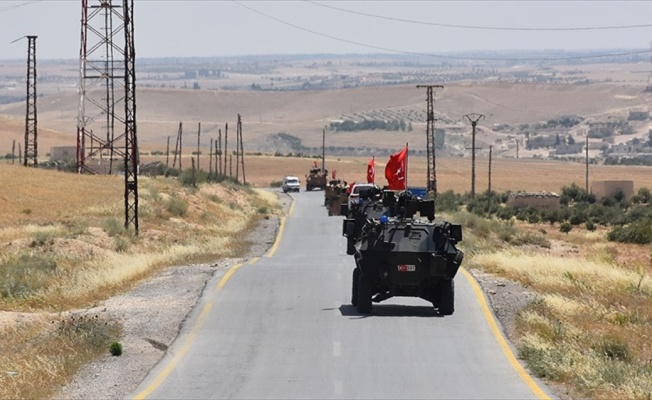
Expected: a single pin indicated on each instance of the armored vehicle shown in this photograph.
(398, 254)
(316, 179)
(334, 196)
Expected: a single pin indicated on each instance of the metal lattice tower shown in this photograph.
(131, 138)
(431, 183)
(103, 36)
(31, 133)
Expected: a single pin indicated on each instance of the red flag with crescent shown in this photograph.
(371, 170)
(395, 170)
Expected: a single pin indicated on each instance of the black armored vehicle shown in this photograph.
(398, 253)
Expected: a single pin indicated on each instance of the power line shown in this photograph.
(494, 28)
(451, 57)
(12, 7)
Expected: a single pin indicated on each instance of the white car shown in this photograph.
(355, 191)
(291, 184)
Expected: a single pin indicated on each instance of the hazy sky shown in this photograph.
(168, 28)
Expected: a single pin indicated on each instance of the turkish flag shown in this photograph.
(371, 170)
(395, 170)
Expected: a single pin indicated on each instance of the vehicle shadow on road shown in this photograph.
(391, 310)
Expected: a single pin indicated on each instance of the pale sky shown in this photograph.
(190, 28)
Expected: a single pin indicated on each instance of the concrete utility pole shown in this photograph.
(490, 151)
(218, 151)
(431, 183)
(473, 118)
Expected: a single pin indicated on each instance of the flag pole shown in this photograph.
(407, 160)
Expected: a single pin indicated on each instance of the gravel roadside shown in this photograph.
(153, 312)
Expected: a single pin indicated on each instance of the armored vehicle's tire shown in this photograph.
(354, 287)
(446, 297)
(350, 246)
(364, 294)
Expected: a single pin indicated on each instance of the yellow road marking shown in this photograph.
(279, 235)
(254, 260)
(191, 337)
(502, 342)
(175, 360)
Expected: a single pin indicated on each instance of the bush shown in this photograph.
(565, 227)
(639, 232)
(177, 206)
(115, 349)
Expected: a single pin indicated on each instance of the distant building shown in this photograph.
(63, 153)
(639, 115)
(564, 149)
(538, 200)
(609, 188)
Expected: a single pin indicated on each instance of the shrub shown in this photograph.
(112, 226)
(115, 349)
(565, 227)
(177, 206)
(639, 232)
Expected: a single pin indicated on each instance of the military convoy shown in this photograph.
(398, 253)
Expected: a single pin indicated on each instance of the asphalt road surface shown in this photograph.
(282, 327)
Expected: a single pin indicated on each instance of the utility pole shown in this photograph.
(167, 154)
(31, 133)
(431, 183)
(210, 159)
(237, 149)
(489, 194)
(177, 147)
(226, 140)
(490, 151)
(131, 138)
(473, 118)
(323, 151)
(587, 162)
(198, 150)
(239, 130)
(218, 151)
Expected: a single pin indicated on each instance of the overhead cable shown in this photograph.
(444, 56)
(495, 28)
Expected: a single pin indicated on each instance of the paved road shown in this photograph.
(283, 327)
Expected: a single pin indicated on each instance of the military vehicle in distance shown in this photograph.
(398, 254)
(316, 179)
(335, 196)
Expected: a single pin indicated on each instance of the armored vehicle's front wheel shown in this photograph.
(364, 294)
(446, 297)
(354, 289)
